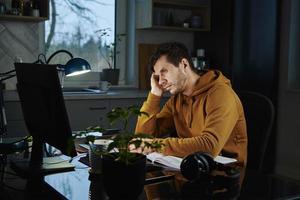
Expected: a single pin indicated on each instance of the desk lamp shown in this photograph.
(75, 66)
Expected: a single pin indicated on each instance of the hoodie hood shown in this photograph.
(208, 80)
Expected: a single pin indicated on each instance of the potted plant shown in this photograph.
(124, 171)
(110, 74)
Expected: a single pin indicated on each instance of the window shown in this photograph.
(86, 28)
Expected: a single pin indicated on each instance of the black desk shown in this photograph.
(77, 186)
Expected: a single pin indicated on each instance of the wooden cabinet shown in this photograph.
(181, 15)
(85, 113)
(82, 113)
(43, 13)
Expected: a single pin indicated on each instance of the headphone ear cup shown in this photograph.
(210, 161)
(196, 165)
(203, 164)
(189, 167)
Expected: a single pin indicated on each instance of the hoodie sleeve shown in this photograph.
(221, 116)
(159, 121)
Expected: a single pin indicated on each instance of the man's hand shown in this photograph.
(142, 148)
(155, 87)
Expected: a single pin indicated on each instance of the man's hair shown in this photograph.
(174, 52)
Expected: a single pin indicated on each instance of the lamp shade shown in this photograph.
(76, 66)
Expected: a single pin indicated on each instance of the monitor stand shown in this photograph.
(38, 165)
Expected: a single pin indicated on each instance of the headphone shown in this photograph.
(197, 165)
(197, 169)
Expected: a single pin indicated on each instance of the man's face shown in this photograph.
(170, 77)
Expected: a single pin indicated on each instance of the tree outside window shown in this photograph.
(85, 28)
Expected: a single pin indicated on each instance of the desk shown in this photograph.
(77, 186)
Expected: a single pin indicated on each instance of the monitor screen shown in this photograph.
(43, 107)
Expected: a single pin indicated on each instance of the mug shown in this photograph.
(95, 154)
(104, 85)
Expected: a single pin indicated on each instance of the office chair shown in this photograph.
(259, 113)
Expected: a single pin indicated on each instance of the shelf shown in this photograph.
(174, 28)
(43, 12)
(180, 5)
(22, 18)
(169, 15)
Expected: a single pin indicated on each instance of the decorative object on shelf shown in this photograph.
(196, 21)
(21, 7)
(14, 7)
(185, 25)
(170, 18)
(2, 8)
(175, 13)
(35, 8)
(159, 17)
(25, 10)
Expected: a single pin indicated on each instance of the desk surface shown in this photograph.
(77, 186)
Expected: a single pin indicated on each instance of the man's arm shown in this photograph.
(158, 122)
(222, 115)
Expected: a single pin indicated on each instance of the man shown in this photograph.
(203, 113)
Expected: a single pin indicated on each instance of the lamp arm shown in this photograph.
(59, 51)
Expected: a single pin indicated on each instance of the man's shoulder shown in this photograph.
(220, 87)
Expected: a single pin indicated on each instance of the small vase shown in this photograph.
(110, 75)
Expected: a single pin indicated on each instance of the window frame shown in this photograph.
(124, 24)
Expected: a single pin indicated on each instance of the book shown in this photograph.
(50, 165)
(174, 162)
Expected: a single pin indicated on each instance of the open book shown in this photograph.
(174, 162)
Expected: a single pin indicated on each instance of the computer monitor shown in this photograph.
(44, 110)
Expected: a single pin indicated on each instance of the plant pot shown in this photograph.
(110, 75)
(123, 181)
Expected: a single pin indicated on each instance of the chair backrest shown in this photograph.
(259, 113)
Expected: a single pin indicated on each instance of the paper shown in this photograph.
(170, 161)
(56, 164)
(174, 162)
(224, 160)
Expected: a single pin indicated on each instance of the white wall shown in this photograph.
(19, 39)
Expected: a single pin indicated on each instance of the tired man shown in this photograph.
(203, 113)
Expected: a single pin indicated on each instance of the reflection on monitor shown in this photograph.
(43, 109)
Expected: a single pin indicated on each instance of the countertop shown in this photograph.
(12, 95)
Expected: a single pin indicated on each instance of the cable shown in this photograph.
(12, 188)
(57, 52)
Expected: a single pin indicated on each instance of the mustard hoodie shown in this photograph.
(210, 120)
